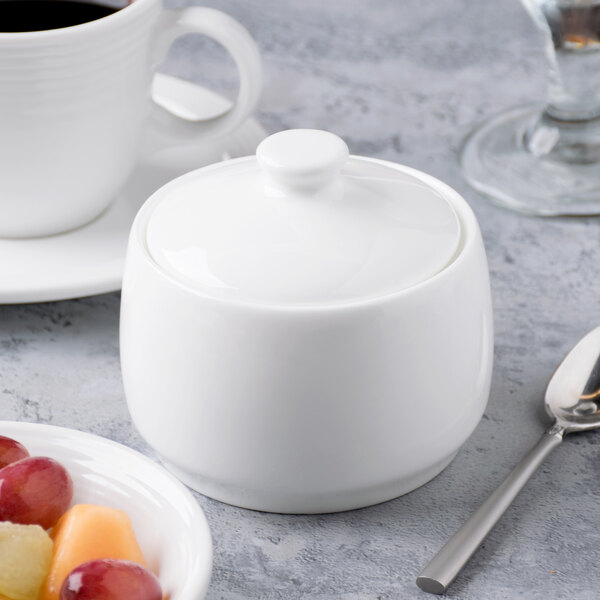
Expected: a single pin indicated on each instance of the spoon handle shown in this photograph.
(447, 563)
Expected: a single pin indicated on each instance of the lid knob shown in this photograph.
(302, 160)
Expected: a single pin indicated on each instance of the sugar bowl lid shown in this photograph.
(302, 223)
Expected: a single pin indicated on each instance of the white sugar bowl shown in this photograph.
(305, 331)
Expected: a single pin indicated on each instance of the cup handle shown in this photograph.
(169, 128)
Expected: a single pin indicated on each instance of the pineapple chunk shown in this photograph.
(25, 557)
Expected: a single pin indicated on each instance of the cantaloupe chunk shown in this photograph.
(87, 532)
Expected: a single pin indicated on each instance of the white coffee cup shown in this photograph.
(74, 102)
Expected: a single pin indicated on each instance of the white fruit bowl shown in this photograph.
(168, 522)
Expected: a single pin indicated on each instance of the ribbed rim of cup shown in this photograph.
(128, 12)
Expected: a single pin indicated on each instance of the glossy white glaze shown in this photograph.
(308, 408)
(89, 260)
(74, 101)
(168, 523)
(301, 224)
(302, 160)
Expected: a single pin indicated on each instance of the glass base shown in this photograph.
(524, 160)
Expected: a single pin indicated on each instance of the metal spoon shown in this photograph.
(573, 400)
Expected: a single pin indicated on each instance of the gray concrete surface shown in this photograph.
(402, 81)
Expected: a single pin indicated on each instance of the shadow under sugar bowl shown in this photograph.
(306, 331)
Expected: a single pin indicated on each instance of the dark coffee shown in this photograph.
(38, 15)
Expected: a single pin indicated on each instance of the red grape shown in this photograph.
(11, 451)
(108, 579)
(34, 491)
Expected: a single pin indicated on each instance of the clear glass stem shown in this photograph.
(572, 32)
(545, 160)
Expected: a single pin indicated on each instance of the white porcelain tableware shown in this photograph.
(89, 260)
(168, 522)
(74, 101)
(303, 331)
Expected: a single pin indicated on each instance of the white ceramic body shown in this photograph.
(89, 260)
(314, 409)
(74, 101)
(168, 523)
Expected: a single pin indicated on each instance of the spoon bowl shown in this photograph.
(573, 392)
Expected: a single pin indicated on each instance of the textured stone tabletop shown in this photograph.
(402, 81)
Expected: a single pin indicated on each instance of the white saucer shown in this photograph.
(89, 260)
